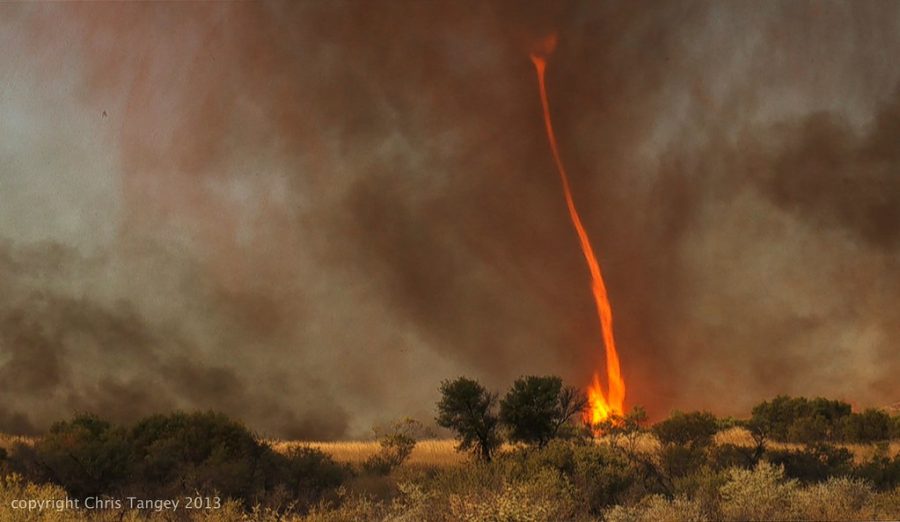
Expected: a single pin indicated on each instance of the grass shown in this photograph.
(8, 441)
(431, 452)
(442, 452)
(861, 452)
(428, 452)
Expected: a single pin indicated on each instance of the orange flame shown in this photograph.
(600, 406)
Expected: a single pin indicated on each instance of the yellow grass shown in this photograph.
(436, 452)
(442, 452)
(8, 441)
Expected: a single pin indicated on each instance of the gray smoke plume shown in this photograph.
(308, 214)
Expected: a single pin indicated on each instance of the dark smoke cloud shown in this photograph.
(308, 214)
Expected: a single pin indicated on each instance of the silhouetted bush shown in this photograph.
(166, 456)
(814, 463)
(869, 426)
(724, 456)
(205, 452)
(881, 471)
(798, 419)
(86, 456)
(309, 474)
(694, 430)
(679, 461)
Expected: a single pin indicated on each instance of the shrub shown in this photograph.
(724, 456)
(800, 419)
(703, 487)
(656, 508)
(679, 461)
(167, 456)
(694, 430)
(602, 476)
(546, 496)
(809, 430)
(396, 445)
(838, 498)
(814, 463)
(869, 426)
(757, 494)
(309, 474)
(881, 471)
(204, 452)
(86, 456)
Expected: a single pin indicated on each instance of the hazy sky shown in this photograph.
(308, 214)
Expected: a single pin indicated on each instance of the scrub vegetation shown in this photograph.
(792, 459)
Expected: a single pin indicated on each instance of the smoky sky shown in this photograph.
(308, 214)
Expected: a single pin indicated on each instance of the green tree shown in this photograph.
(536, 408)
(468, 408)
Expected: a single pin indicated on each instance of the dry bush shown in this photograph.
(656, 508)
(835, 499)
(757, 494)
(547, 496)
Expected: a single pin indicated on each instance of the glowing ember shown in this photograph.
(601, 406)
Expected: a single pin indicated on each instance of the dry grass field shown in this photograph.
(442, 452)
(861, 452)
(432, 452)
(8, 441)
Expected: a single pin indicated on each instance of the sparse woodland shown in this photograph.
(521, 457)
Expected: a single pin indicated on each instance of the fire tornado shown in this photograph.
(601, 406)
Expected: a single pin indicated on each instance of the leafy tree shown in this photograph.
(536, 408)
(468, 408)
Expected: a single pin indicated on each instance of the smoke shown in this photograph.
(306, 215)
